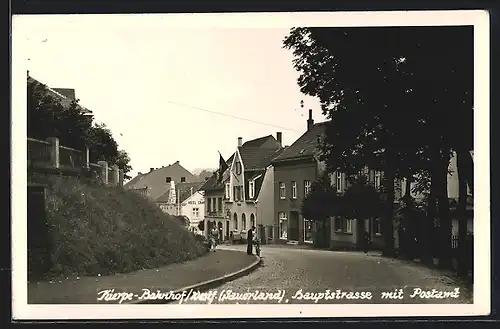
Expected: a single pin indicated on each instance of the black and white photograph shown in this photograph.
(209, 165)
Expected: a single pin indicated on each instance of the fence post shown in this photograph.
(87, 157)
(54, 151)
(104, 171)
(116, 175)
(120, 177)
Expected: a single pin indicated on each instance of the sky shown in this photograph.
(154, 86)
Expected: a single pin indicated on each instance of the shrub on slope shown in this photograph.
(103, 230)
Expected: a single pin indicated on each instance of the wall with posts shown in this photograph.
(50, 156)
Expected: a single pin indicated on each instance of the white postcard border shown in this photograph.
(21, 310)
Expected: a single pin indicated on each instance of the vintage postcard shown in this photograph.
(209, 164)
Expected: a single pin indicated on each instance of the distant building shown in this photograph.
(158, 181)
(184, 199)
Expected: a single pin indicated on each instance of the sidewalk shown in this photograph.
(83, 290)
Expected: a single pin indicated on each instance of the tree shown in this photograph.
(361, 201)
(394, 109)
(47, 117)
(319, 205)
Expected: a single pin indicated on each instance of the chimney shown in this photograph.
(139, 173)
(279, 137)
(151, 169)
(240, 141)
(310, 121)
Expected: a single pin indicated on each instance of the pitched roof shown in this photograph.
(257, 158)
(211, 184)
(65, 101)
(133, 180)
(305, 146)
(165, 197)
(185, 189)
(261, 141)
(156, 181)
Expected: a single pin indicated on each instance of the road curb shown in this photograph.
(206, 285)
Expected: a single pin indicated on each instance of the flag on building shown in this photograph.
(222, 166)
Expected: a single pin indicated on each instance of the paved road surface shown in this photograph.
(295, 275)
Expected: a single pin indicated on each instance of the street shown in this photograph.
(313, 276)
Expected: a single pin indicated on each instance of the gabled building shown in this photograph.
(249, 192)
(216, 214)
(184, 199)
(158, 181)
(294, 172)
(295, 169)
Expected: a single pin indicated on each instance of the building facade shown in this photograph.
(158, 180)
(295, 170)
(249, 193)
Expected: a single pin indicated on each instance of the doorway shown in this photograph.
(294, 226)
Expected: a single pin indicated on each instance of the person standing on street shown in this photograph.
(250, 241)
(366, 241)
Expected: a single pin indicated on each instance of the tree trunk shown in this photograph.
(408, 220)
(388, 214)
(463, 265)
(409, 179)
(427, 232)
(445, 227)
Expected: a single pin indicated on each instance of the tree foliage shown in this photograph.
(398, 100)
(47, 117)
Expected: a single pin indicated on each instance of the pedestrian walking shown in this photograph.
(214, 237)
(250, 235)
(256, 242)
(366, 241)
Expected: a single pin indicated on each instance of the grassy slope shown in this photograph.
(103, 230)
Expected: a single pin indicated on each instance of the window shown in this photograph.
(238, 193)
(343, 224)
(228, 191)
(294, 190)
(183, 179)
(235, 221)
(377, 227)
(283, 225)
(339, 182)
(238, 168)
(377, 179)
(168, 179)
(209, 205)
(338, 224)
(252, 220)
(308, 230)
(348, 226)
(282, 190)
(196, 212)
(243, 222)
(219, 206)
(214, 204)
(251, 189)
(307, 187)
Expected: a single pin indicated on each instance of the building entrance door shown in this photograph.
(294, 226)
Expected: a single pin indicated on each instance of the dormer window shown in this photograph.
(251, 189)
(168, 179)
